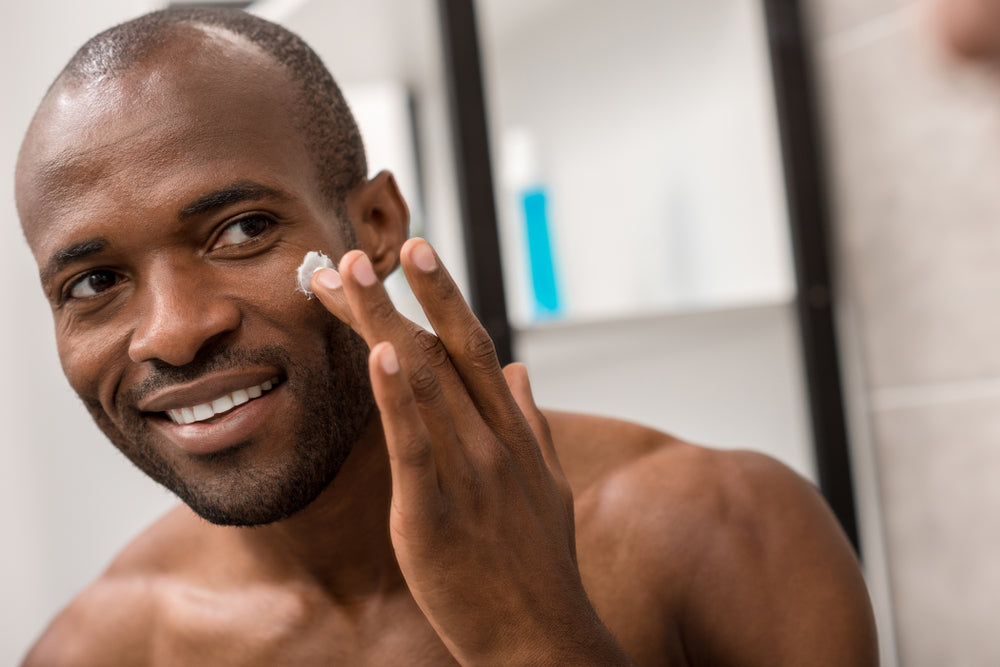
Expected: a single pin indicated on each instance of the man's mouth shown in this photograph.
(205, 411)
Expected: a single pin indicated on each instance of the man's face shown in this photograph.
(167, 210)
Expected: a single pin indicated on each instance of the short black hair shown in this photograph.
(324, 118)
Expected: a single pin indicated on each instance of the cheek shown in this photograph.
(90, 360)
(279, 290)
(273, 297)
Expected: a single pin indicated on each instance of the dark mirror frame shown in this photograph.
(808, 218)
(809, 225)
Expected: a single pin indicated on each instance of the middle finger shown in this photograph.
(436, 386)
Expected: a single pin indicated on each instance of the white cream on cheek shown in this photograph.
(313, 262)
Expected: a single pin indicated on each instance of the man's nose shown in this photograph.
(179, 314)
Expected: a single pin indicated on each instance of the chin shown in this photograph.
(256, 496)
(287, 464)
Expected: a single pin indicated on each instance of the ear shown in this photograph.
(381, 221)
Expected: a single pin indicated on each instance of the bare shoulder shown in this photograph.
(113, 620)
(591, 448)
(106, 624)
(746, 557)
(616, 467)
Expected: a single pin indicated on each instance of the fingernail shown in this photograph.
(388, 359)
(424, 258)
(328, 278)
(363, 271)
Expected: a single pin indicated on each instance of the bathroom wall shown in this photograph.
(914, 150)
(58, 472)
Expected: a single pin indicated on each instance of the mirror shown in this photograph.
(642, 217)
(646, 130)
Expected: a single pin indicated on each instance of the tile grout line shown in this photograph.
(910, 396)
(868, 32)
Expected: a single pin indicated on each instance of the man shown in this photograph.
(358, 490)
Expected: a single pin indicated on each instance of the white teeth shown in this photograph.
(222, 404)
(203, 411)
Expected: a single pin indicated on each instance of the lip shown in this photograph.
(225, 430)
(205, 390)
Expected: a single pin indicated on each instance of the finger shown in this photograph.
(326, 285)
(516, 376)
(468, 344)
(432, 378)
(411, 454)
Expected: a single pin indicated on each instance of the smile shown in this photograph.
(205, 411)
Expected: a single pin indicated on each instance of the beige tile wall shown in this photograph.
(914, 148)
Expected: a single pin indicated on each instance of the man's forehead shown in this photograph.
(172, 104)
(65, 176)
(193, 69)
(186, 44)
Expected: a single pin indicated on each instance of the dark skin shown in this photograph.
(466, 525)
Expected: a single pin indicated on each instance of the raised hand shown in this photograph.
(481, 517)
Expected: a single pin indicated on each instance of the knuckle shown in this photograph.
(479, 349)
(432, 347)
(424, 385)
(414, 452)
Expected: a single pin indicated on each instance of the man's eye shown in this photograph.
(243, 230)
(92, 284)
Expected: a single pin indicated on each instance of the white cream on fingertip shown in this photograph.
(313, 262)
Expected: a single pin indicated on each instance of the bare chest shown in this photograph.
(270, 625)
(250, 629)
(254, 628)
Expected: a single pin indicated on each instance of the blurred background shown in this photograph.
(647, 261)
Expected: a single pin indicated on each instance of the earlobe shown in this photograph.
(383, 221)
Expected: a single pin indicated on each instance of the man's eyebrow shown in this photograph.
(69, 254)
(231, 194)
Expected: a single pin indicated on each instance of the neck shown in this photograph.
(340, 541)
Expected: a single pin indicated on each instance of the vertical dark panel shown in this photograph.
(475, 177)
(808, 213)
